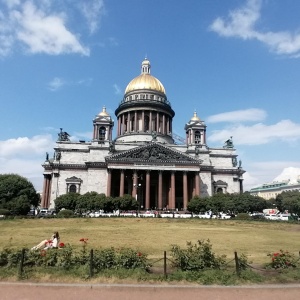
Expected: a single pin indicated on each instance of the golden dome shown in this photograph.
(103, 112)
(195, 117)
(145, 80)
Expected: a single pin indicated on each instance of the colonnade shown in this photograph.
(144, 121)
(155, 188)
(46, 191)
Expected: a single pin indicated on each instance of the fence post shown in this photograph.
(237, 265)
(91, 263)
(21, 262)
(165, 264)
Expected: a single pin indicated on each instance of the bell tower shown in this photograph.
(195, 132)
(103, 126)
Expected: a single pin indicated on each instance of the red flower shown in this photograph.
(139, 254)
(61, 245)
(276, 254)
(43, 252)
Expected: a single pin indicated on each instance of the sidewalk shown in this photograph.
(32, 291)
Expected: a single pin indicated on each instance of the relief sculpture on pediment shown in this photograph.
(155, 154)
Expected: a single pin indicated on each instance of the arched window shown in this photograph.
(197, 137)
(102, 132)
(219, 190)
(72, 188)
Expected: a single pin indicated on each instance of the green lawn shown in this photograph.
(153, 236)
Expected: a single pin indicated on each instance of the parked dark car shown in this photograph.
(258, 217)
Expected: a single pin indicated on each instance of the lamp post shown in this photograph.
(137, 186)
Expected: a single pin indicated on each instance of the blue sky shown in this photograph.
(235, 62)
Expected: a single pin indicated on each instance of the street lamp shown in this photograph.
(137, 186)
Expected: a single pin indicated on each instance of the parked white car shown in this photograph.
(166, 214)
(284, 217)
(206, 215)
(271, 216)
(148, 214)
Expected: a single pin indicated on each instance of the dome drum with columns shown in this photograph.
(143, 154)
(145, 109)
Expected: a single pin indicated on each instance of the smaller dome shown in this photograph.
(195, 117)
(103, 112)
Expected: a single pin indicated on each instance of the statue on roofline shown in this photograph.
(111, 147)
(63, 136)
(240, 164)
(58, 155)
(234, 162)
(228, 144)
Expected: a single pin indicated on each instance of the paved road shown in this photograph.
(32, 291)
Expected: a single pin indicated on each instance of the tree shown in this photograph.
(197, 205)
(291, 202)
(88, 201)
(127, 202)
(66, 201)
(231, 203)
(17, 194)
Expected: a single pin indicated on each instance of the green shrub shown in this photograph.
(196, 257)
(104, 259)
(282, 260)
(4, 254)
(65, 213)
(244, 262)
(130, 259)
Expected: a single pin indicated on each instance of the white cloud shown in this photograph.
(259, 173)
(92, 9)
(259, 133)
(241, 24)
(252, 114)
(86, 81)
(24, 156)
(56, 83)
(290, 174)
(24, 146)
(29, 168)
(39, 30)
(11, 3)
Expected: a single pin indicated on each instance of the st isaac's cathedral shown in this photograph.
(143, 159)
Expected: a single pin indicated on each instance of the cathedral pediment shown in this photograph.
(153, 153)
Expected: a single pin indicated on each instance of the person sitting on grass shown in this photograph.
(46, 244)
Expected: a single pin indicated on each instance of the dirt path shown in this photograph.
(31, 291)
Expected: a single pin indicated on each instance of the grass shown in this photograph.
(153, 236)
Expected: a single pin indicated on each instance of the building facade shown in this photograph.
(143, 159)
(271, 190)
